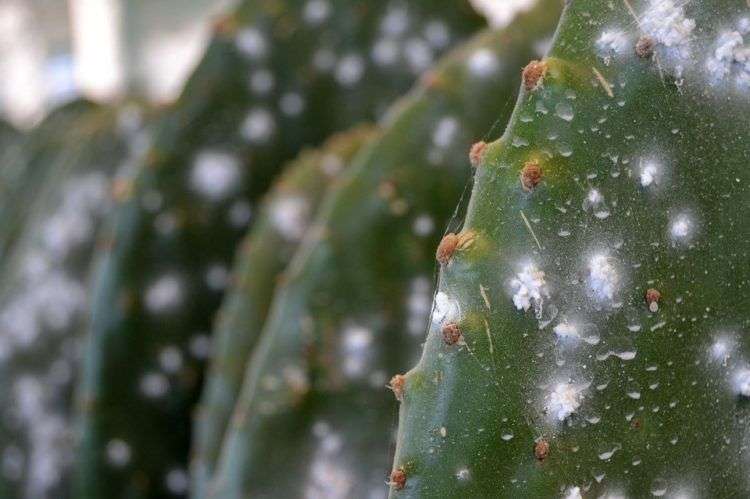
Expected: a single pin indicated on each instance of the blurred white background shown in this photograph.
(54, 50)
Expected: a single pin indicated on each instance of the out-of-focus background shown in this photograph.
(52, 51)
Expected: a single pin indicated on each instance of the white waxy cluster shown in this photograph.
(730, 58)
(483, 63)
(445, 309)
(612, 42)
(215, 174)
(666, 23)
(290, 216)
(529, 288)
(563, 401)
(603, 277)
(741, 382)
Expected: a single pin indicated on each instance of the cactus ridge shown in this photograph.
(278, 76)
(350, 308)
(283, 218)
(603, 308)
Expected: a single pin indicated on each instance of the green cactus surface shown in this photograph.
(603, 306)
(314, 417)
(44, 294)
(281, 223)
(25, 163)
(278, 75)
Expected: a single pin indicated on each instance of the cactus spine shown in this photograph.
(313, 416)
(604, 303)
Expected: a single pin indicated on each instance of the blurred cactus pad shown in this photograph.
(603, 306)
(381, 249)
(277, 76)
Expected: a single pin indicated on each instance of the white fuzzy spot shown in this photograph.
(252, 43)
(529, 289)
(424, 225)
(483, 63)
(258, 127)
(154, 385)
(665, 22)
(730, 59)
(215, 175)
(419, 301)
(681, 227)
(170, 359)
(357, 346)
(177, 481)
(385, 51)
(164, 294)
(316, 12)
(437, 34)
(292, 104)
(350, 70)
(418, 55)
(564, 400)
(603, 277)
(649, 174)
(395, 22)
(289, 216)
(612, 42)
(446, 131)
(573, 493)
(721, 350)
(217, 277)
(500, 12)
(741, 382)
(445, 309)
(118, 453)
(328, 477)
(262, 82)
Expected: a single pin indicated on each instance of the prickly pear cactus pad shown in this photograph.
(281, 222)
(356, 297)
(279, 75)
(44, 295)
(604, 305)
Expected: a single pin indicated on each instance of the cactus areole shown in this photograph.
(568, 382)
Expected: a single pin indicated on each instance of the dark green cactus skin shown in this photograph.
(314, 418)
(655, 402)
(44, 294)
(283, 218)
(264, 89)
(25, 161)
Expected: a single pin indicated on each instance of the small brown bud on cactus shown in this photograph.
(644, 47)
(533, 75)
(398, 479)
(652, 299)
(541, 449)
(452, 242)
(531, 175)
(476, 155)
(452, 334)
(397, 385)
